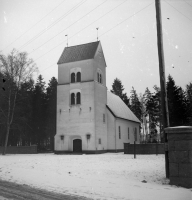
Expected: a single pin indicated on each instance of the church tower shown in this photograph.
(81, 100)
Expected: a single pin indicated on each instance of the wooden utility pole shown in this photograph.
(164, 103)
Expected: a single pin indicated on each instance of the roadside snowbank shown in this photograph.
(105, 176)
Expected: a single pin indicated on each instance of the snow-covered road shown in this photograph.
(99, 176)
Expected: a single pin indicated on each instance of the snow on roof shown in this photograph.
(119, 108)
(78, 52)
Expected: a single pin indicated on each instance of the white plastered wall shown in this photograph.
(113, 132)
(110, 131)
(99, 65)
(75, 122)
(84, 66)
(100, 110)
(125, 124)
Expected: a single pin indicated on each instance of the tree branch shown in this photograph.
(3, 112)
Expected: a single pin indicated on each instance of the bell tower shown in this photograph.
(81, 99)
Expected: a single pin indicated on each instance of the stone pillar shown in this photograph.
(180, 155)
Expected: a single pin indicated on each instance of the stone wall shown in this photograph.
(154, 148)
(20, 149)
(180, 155)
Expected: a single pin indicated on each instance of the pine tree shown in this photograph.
(24, 119)
(117, 88)
(189, 103)
(157, 99)
(51, 96)
(135, 104)
(152, 103)
(143, 118)
(39, 112)
(176, 104)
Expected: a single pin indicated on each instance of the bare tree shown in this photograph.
(17, 69)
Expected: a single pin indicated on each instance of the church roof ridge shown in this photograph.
(82, 44)
(78, 52)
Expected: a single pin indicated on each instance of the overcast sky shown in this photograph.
(127, 31)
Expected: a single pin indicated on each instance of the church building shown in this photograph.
(90, 119)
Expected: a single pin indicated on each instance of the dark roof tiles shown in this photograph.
(79, 52)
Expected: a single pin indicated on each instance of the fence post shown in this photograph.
(134, 150)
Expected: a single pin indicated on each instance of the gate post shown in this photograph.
(180, 155)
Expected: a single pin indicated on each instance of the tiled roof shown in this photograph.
(79, 52)
(119, 108)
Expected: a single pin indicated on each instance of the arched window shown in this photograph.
(72, 99)
(97, 77)
(78, 98)
(73, 78)
(78, 76)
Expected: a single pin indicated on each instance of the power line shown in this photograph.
(178, 10)
(126, 19)
(48, 67)
(91, 24)
(53, 24)
(69, 26)
(34, 25)
(86, 27)
(79, 31)
(188, 3)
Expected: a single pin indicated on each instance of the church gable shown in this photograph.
(79, 52)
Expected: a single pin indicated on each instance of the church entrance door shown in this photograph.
(77, 145)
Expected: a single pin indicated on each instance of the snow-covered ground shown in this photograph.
(101, 176)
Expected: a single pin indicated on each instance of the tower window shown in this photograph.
(78, 98)
(78, 76)
(72, 99)
(104, 118)
(75, 98)
(73, 78)
(97, 77)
